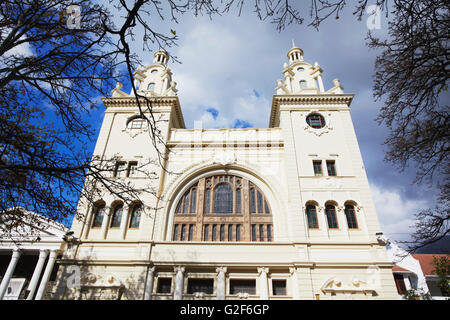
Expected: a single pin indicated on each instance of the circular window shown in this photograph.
(315, 121)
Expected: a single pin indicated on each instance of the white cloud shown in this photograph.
(396, 214)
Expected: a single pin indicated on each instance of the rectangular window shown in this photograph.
(164, 285)
(238, 200)
(207, 200)
(132, 169)
(242, 286)
(279, 287)
(317, 168)
(331, 168)
(253, 232)
(200, 285)
(238, 232)
(183, 232)
(193, 200)
(191, 232)
(120, 169)
(222, 232)
(230, 232)
(214, 232)
(252, 201)
(400, 283)
(175, 233)
(269, 232)
(206, 233)
(261, 232)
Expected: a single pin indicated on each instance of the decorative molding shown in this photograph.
(336, 285)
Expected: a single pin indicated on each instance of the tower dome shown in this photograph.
(295, 54)
(161, 57)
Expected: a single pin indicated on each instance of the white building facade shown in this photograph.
(27, 257)
(283, 212)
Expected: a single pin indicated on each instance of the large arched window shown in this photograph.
(135, 218)
(311, 215)
(116, 216)
(223, 208)
(330, 212)
(351, 216)
(99, 214)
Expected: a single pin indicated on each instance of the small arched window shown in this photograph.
(300, 69)
(136, 123)
(330, 212)
(98, 216)
(151, 86)
(351, 216)
(117, 216)
(135, 216)
(303, 84)
(311, 215)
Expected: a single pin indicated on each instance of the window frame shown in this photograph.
(334, 217)
(353, 213)
(309, 217)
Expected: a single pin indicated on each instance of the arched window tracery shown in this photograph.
(223, 208)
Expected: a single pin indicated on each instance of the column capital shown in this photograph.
(292, 270)
(221, 269)
(16, 252)
(263, 270)
(152, 269)
(178, 269)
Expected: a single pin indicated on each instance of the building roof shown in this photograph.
(426, 262)
(399, 269)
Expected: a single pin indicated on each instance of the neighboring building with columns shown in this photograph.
(283, 212)
(27, 257)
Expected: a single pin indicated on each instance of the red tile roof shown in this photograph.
(400, 269)
(426, 262)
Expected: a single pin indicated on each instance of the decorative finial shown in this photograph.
(293, 44)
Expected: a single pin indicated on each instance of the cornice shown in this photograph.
(312, 100)
(130, 102)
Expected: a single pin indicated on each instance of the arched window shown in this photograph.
(98, 216)
(151, 86)
(311, 215)
(351, 216)
(330, 212)
(303, 84)
(135, 218)
(136, 123)
(204, 205)
(117, 216)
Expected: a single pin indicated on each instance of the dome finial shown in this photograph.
(293, 44)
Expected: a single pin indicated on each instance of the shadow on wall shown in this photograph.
(83, 280)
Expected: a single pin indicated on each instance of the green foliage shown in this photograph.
(442, 270)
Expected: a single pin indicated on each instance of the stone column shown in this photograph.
(149, 283)
(105, 222)
(319, 80)
(9, 272)
(179, 283)
(263, 286)
(221, 282)
(46, 276)
(124, 221)
(36, 274)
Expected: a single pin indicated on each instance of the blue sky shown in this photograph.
(228, 72)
